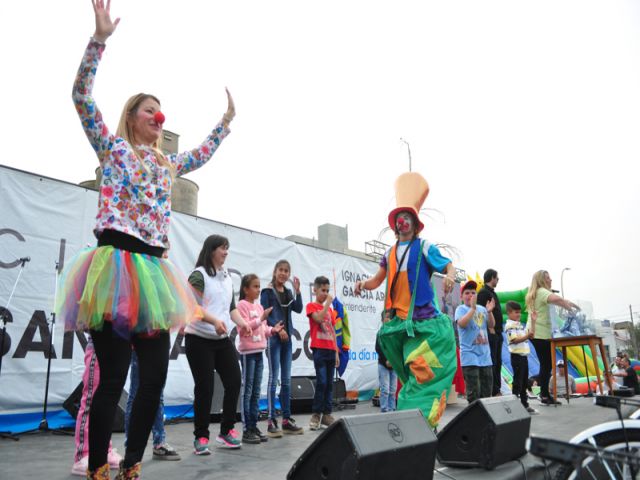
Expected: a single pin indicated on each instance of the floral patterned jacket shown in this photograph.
(134, 198)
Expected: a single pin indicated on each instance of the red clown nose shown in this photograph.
(401, 221)
(159, 117)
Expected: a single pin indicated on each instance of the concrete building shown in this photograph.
(331, 237)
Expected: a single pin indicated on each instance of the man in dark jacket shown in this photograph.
(495, 337)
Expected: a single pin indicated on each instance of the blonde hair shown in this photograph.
(126, 131)
(536, 282)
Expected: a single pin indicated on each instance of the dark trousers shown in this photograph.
(324, 361)
(478, 381)
(495, 344)
(543, 350)
(206, 355)
(520, 365)
(114, 356)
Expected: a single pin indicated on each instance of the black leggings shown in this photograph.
(114, 356)
(543, 350)
(206, 355)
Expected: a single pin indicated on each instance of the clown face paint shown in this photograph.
(405, 223)
(159, 117)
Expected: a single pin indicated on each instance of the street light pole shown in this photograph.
(408, 149)
(561, 281)
(632, 332)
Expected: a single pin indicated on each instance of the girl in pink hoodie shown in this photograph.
(251, 348)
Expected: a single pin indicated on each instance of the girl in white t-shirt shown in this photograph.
(209, 348)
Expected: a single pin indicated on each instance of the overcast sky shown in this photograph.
(522, 116)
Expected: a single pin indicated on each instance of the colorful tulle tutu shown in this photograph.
(137, 293)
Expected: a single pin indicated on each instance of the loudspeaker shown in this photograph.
(118, 419)
(339, 391)
(487, 433)
(623, 392)
(374, 446)
(302, 391)
(72, 405)
(218, 396)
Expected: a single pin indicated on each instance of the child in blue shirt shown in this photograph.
(473, 322)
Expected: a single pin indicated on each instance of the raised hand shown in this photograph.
(296, 284)
(231, 110)
(329, 300)
(104, 25)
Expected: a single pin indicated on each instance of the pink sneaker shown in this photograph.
(114, 459)
(229, 440)
(80, 467)
(201, 446)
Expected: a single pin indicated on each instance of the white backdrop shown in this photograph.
(50, 220)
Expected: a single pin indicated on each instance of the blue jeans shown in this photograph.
(324, 361)
(388, 383)
(157, 430)
(279, 358)
(252, 365)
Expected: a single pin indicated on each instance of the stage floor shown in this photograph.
(46, 455)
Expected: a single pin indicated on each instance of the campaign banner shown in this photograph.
(49, 221)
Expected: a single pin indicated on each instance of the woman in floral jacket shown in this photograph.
(123, 291)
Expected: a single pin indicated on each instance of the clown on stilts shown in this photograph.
(417, 339)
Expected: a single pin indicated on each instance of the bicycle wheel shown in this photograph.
(593, 468)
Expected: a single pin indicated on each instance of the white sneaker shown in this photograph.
(314, 423)
(114, 459)
(80, 467)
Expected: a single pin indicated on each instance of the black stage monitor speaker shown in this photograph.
(339, 389)
(72, 405)
(218, 397)
(487, 433)
(302, 392)
(624, 392)
(398, 445)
